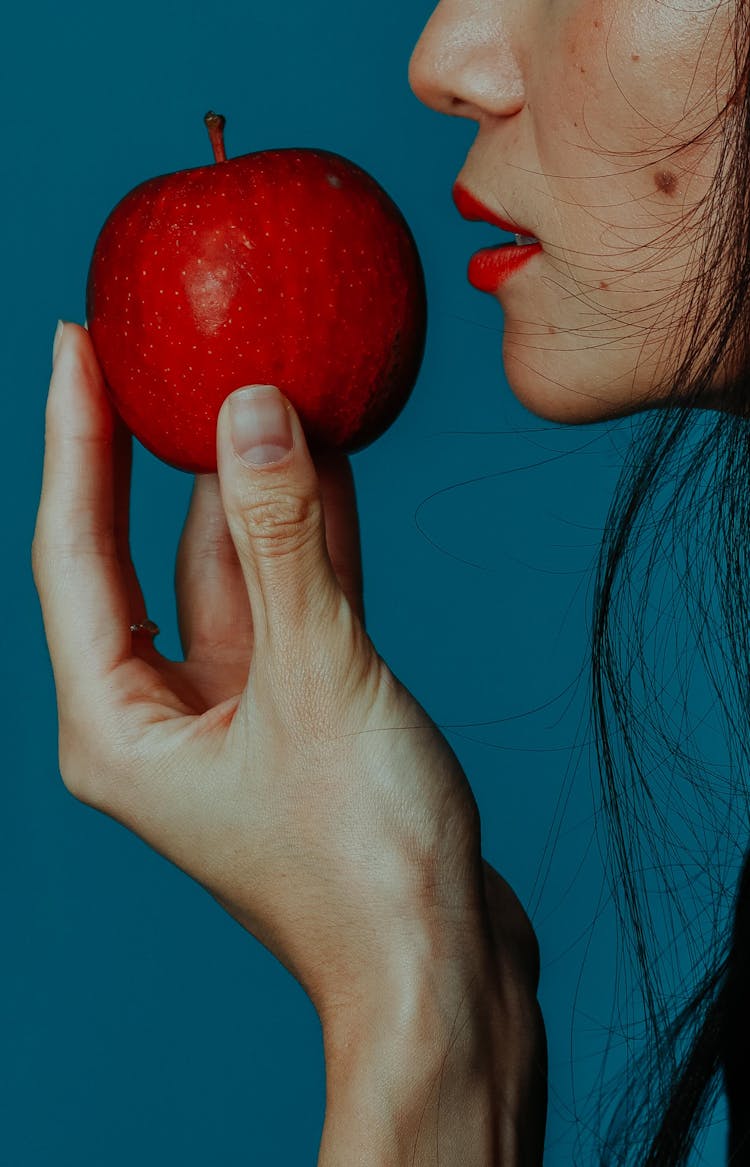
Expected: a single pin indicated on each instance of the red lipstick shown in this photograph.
(491, 266)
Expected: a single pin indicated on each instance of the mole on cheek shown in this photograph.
(666, 181)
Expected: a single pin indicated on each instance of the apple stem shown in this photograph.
(215, 126)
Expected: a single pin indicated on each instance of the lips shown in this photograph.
(490, 267)
(470, 207)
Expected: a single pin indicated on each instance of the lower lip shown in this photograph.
(491, 266)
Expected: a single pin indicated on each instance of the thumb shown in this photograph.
(274, 508)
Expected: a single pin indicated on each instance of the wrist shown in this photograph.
(434, 1061)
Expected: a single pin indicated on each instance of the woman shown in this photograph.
(282, 764)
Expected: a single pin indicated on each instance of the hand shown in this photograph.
(281, 764)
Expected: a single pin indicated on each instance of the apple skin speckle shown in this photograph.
(331, 291)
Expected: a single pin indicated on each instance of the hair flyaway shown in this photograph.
(677, 836)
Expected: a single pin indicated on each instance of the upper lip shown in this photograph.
(470, 207)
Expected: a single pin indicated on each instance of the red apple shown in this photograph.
(289, 267)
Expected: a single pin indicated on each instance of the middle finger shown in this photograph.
(213, 609)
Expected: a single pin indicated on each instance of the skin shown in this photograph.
(284, 767)
(584, 109)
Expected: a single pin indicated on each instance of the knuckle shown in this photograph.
(281, 524)
(209, 548)
(205, 535)
(87, 765)
(82, 536)
(76, 771)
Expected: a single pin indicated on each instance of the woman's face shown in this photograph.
(586, 110)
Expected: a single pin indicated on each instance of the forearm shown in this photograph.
(445, 1065)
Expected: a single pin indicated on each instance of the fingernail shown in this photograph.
(261, 429)
(56, 341)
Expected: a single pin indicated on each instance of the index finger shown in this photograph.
(77, 569)
(338, 492)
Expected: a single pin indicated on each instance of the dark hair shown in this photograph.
(676, 836)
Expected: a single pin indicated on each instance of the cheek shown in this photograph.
(586, 87)
(640, 76)
(569, 62)
(626, 85)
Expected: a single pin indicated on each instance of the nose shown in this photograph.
(464, 63)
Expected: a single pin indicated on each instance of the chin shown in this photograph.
(568, 396)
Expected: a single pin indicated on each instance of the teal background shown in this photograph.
(140, 1024)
